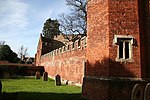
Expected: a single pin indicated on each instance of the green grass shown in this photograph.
(32, 89)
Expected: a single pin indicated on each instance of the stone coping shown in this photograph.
(117, 78)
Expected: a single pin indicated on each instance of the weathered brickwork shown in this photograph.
(118, 17)
(124, 20)
(108, 78)
(46, 45)
(97, 39)
(13, 69)
(67, 61)
(115, 59)
(111, 89)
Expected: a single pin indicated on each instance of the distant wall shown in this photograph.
(15, 64)
(67, 61)
(3, 62)
(11, 70)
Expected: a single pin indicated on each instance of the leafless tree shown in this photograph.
(22, 53)
(75, 21)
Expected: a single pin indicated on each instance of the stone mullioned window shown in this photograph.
(124, 51)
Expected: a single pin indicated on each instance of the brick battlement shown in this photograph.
(67, 61)
(70, 47)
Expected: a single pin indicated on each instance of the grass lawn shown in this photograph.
(33, 89)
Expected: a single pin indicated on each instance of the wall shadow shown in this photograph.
(109, 68)
(40, 96)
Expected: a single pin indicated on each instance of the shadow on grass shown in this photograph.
(39, 96)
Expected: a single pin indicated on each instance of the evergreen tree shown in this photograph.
(7, 54)
(51, 28)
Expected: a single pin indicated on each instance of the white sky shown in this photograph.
(21, 21)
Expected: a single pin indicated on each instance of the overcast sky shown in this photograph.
(21, 21)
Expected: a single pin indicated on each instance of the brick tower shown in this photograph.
(117, 46)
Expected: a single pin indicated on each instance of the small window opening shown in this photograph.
(124, 49)
(124, 52)
(120, 50)
(127, 50)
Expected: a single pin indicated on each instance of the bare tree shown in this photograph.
(75, 21)
(22, 53)
(2, 42)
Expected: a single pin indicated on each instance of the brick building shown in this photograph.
(46, 45)
(67, 60)
(118, 45)
(114, 62)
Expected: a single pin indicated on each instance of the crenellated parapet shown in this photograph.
(68, 61)
(70, 47)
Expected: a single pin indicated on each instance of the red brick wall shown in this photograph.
(106, 18)
(124, 20)
(68, 64)
(3, 62)
(110, 89)
(97, 38)
(14, 64)
(39, 53)
(19, 69)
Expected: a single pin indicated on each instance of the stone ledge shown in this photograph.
(117, 78)
(113, 88)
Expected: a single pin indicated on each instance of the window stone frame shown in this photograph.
(124, 38)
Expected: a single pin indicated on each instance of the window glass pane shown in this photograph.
(126, 50)
(120, 49)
